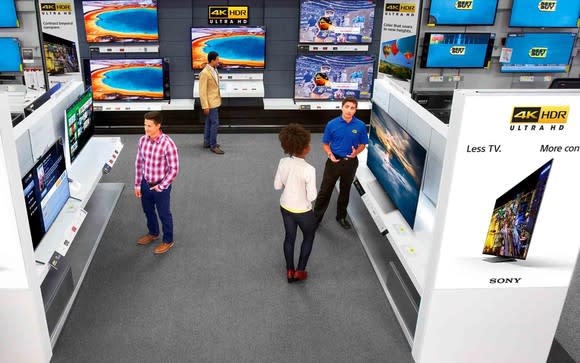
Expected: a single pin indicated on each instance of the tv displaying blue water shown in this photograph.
(397, 161)
(462, 12)
(127, 79)
(539, 52)
(545, 13)
(456, 50)
(8, 18)
(11, 59)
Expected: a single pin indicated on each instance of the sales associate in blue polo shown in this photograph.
(344, 138)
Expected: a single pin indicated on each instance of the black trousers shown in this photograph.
(307, 225)
(344, 170)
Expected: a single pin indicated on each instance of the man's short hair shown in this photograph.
(155, 116)
(212, 56)
(350, 99)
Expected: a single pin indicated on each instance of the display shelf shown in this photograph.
(126, 49)
(335, 48)
(236, 88)
(173, 105)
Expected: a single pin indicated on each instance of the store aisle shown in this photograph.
(221, 294)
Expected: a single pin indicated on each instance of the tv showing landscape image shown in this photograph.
(121, 21)
(397, 57)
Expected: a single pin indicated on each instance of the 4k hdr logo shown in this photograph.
(547, 5)
(228, 14)
(457, 50)
(56, 7)
(541, 114)
(400, 8)
(464, 4)
(538, 52)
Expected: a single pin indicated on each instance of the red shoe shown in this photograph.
(300, 275)
(290, 275)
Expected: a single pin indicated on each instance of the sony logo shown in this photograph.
(506, 280)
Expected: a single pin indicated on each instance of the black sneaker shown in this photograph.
(343, 223)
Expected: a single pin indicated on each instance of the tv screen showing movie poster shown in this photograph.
(238, 47)
(120, 21)
(11, 59)
(514, 216)
(397, 57)
(60, 55)
(8, 17)
(333, 78)
(457, 50)
(326, 21)
(537, 52)
(127, 79)
(545, 13)
(397, 161)
(462, 12)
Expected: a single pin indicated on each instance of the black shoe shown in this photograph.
(343, 223)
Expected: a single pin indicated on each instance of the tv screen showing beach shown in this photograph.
(127, 79)
(238, 48)
(121, 21)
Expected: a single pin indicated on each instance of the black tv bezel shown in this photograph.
(429, 23)
(566, 83)
(335, 43)
(91, 126)
(510, 25)
(19, 52)
(231, 70)
(332, 55)
(426, 43)
(17, 19)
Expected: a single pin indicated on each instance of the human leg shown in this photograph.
(290, 227)
(162, 201)
(329, 178)
(348, 172)
(214, 125)
(148, 204)
(307, 223)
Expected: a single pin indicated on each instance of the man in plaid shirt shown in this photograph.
(156, 166)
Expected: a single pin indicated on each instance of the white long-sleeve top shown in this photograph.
(298, 178)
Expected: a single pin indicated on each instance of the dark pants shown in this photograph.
(307, 224)
(344, 170)
(212, 123)
(151, 199)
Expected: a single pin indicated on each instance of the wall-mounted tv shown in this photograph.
(397, 161)
(60, 55)
(11, 59)
(336, 21)
(398, 56)
(129, 79)
(331, 77)
(121, 21)
(238, 47)
(515, 214)
(78, 123)
(537, 52)
(462, 12)
(46, 191)
(545, 13)
(457, 50)
(8, 16)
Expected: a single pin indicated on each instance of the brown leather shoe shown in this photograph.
(162, 248)
(145, 240)
(217, 150)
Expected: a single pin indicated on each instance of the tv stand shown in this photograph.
(498, 259)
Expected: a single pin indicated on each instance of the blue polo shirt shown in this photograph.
(343, 136)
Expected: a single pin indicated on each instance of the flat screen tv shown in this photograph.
(537, 52)
(129, 79)
(397, 57)
(397, 161)
(332, 77)
(60, 55)
(121, 21)
(462, 12)
(238, 47)
(79, 125)
(46, 191)
(8, 16)
(545, 13)
(515, 214)
(11, 59)
(457, 50)
(335, 21)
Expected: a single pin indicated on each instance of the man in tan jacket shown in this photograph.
(209, 95)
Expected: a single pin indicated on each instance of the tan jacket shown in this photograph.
(209, 90)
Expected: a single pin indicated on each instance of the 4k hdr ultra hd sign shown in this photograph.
(228, 15)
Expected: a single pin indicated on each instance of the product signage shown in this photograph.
(232, 15)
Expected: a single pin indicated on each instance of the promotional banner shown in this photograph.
(398, 39)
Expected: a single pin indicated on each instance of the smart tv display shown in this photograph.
(11, 59)
(397, 57)
(333, 78)
(79, 124)
(60, 55)
(545, 13)
(121, 21)
(46, 191)
(8, 16)
(397, 161)
(515, 214)
(327, 21)
(462, 12)
(238, 47)
(537, 52)
(457, 50)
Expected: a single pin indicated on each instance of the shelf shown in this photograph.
(172, 105)
(236, 88)
(290, 104)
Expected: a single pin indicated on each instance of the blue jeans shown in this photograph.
(151, 199)
(307, 223)
(212, 122)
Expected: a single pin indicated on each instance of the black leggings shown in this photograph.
(307, 224)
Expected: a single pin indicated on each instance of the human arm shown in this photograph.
(172, 159)
(356, 151)
(278, 183)
(138, 171)
(328, 152)
(203, 78)
(310, 178)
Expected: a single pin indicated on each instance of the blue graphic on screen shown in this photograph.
(130, 21)
(539, 52)
(8, 18)
(462, 12)
(397, 161)
(11, 60)
(457, 50)
(139, 79)
(545, 13)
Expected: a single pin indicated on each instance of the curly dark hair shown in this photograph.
(294, 138)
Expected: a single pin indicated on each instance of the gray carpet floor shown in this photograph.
(220, 294)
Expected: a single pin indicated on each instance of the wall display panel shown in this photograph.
(537, 52)
(397, 161)
(121, 21)
(238, 47)
(325, 21)
(457, 50)
(8, 16)
(60, 55)
(11, 59)
(462, 12)
(331, 78)
(79, 125)
(545, 13)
